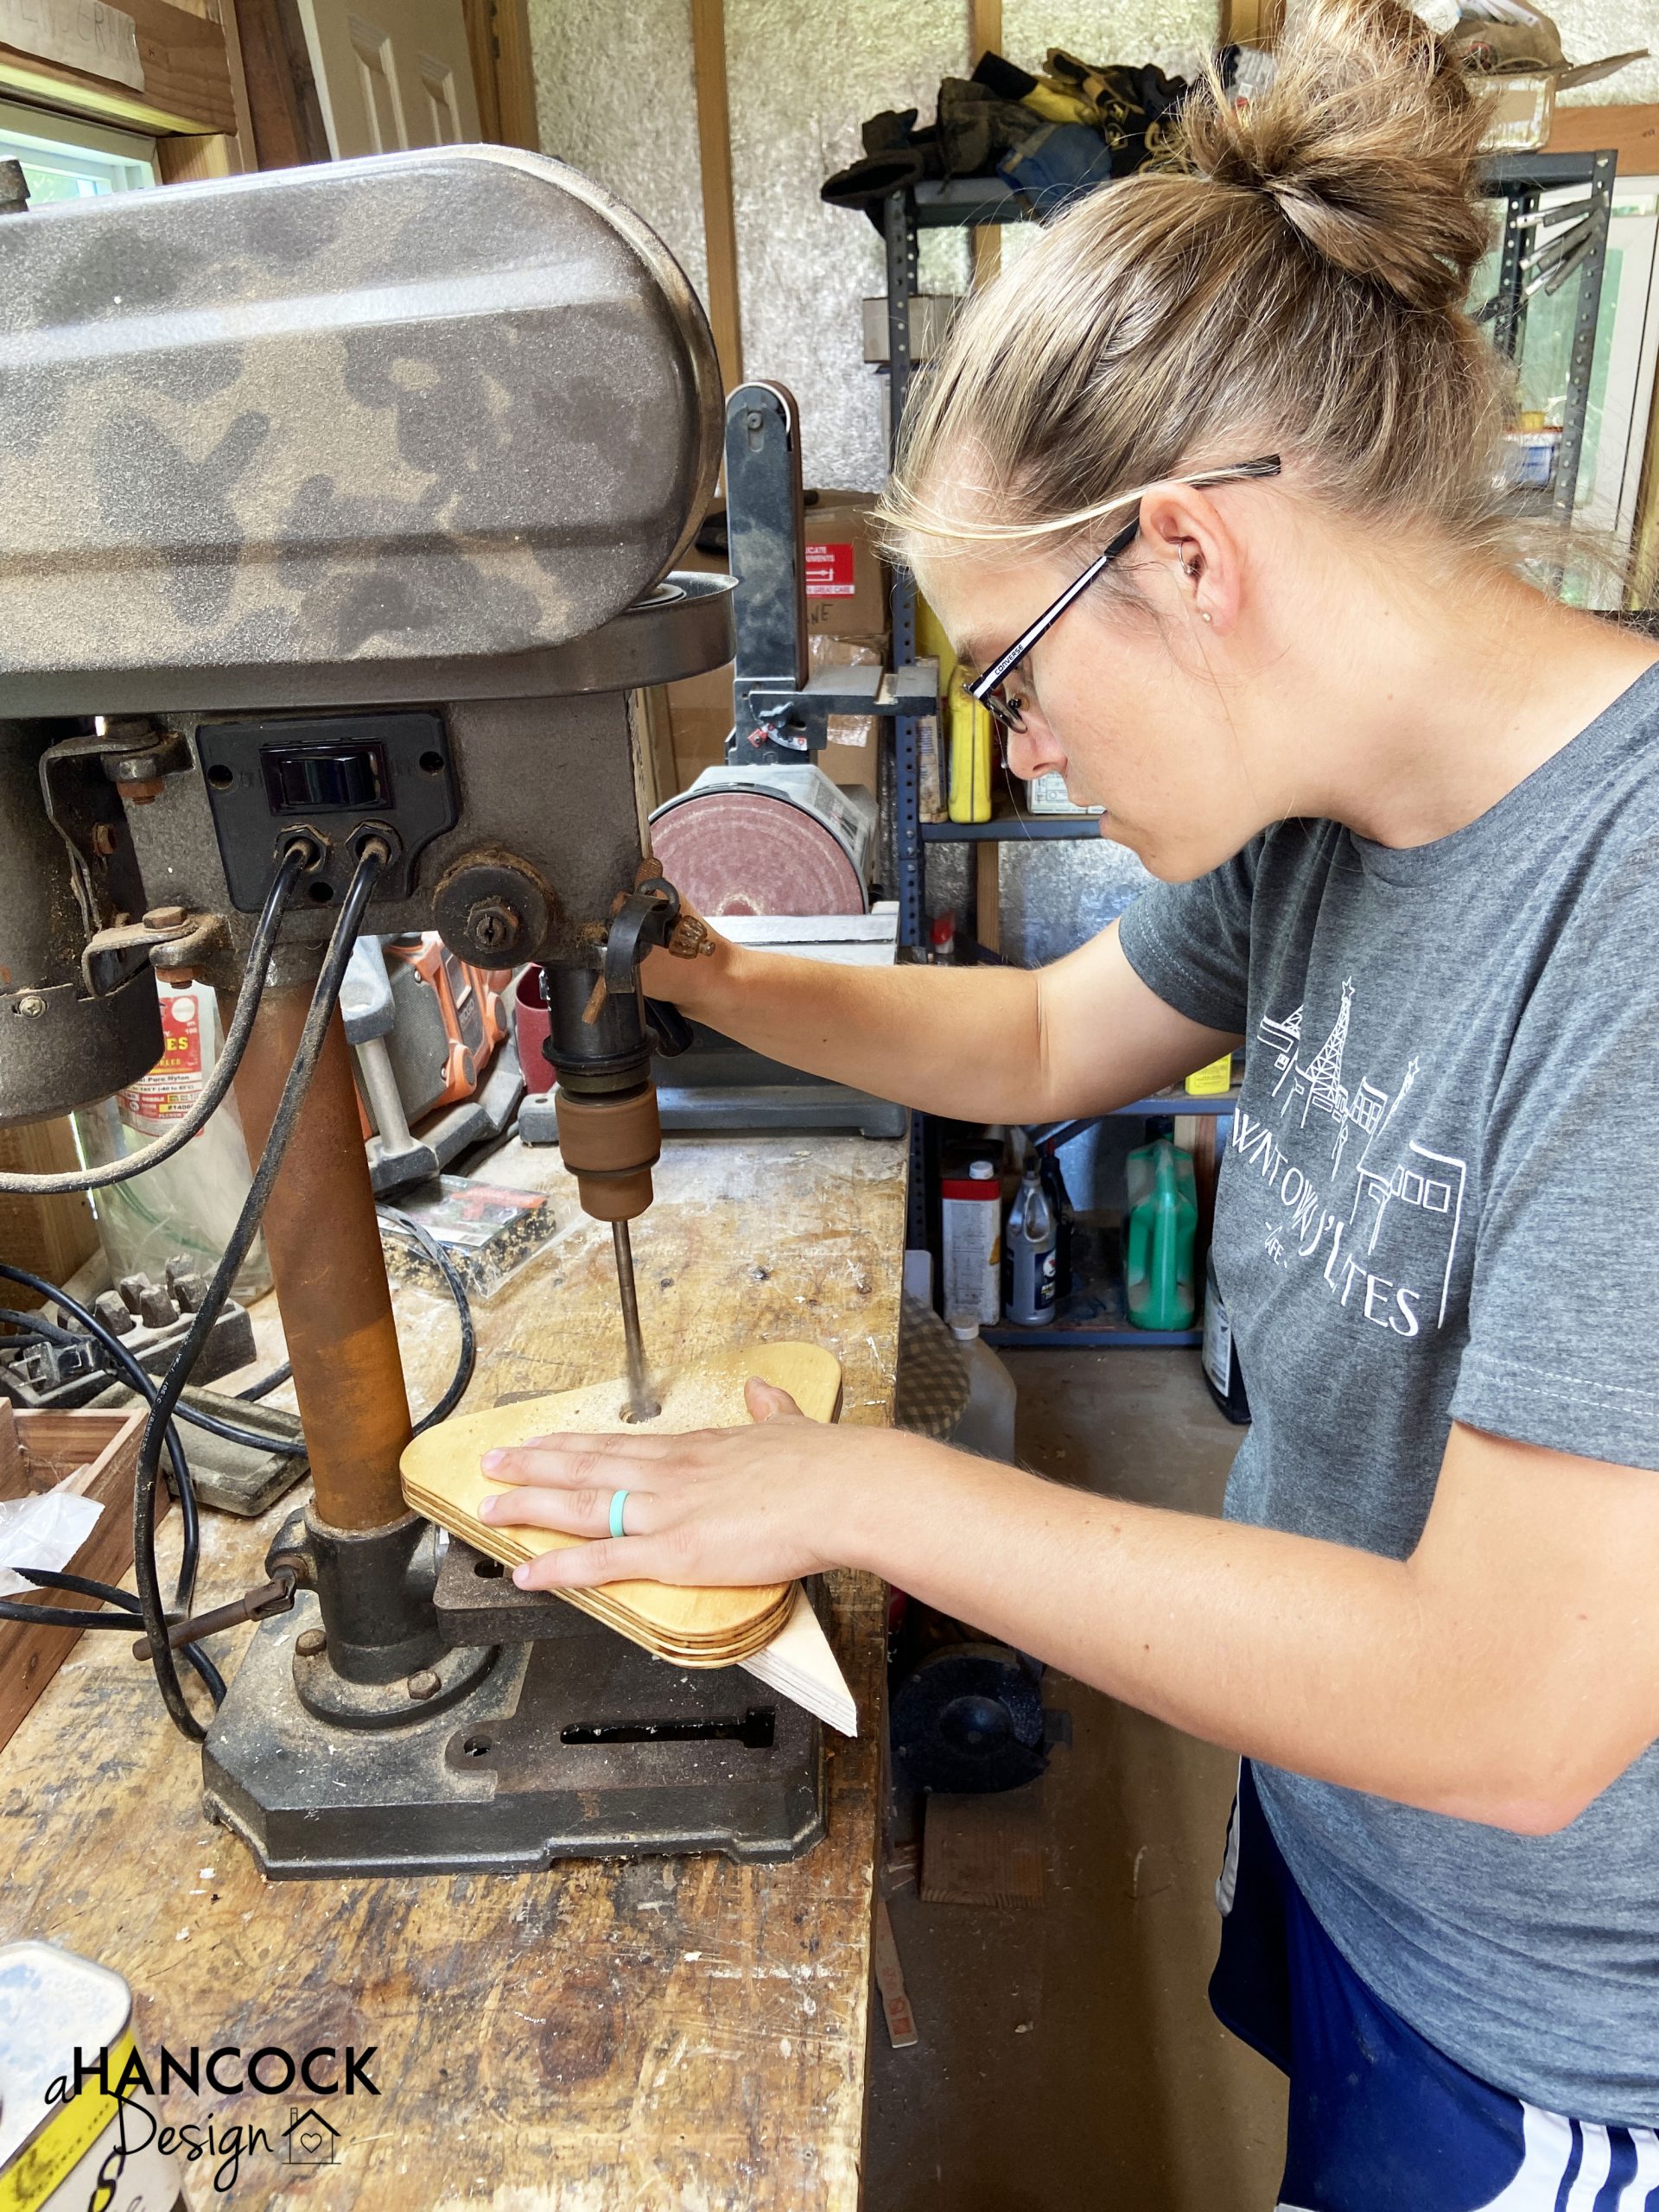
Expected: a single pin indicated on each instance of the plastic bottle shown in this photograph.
(971, 1212)
(1160, 1231)
(970, 724)
(1220, 1353)
(985, 1424)
(188, 1205)
(1033, 1247)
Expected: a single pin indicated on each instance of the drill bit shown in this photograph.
(641, 1405)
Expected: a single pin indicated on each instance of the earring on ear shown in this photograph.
(1204, 615)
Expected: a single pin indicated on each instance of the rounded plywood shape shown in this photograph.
(441, 1479)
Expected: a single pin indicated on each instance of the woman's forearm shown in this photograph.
(962, 1042)
(1307, 1655)
(982, 1044)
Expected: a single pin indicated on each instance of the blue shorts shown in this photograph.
(1379, 2120)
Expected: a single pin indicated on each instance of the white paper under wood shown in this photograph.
(799, 1664)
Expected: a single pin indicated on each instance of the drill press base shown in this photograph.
(576, 1746)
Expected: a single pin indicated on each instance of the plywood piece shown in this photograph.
(798, 1661)
(890, 1982)
(442, 1478)
(984, 1850)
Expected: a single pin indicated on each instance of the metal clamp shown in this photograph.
(172, 937)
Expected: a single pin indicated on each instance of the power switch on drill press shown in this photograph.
(336, 775)
(325, 779)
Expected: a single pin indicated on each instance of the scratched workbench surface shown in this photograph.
(674, 2033)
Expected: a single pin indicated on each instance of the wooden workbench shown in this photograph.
(679, 2033)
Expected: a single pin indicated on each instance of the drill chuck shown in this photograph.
(610, 1142)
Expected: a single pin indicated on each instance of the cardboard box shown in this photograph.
(846, 613)
(1520, 111)
(699, 716)
(846, 579)
(1522, 102)
(852, 756)
(700, 707)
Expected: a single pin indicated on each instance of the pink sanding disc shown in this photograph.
(741, 853)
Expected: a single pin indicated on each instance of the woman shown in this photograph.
(1402, 810)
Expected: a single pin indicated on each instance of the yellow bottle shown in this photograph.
(970, 755)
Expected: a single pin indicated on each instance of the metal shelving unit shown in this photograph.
(1521, 181)
(1009, 829)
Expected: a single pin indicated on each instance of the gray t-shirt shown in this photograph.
(1437, 1205)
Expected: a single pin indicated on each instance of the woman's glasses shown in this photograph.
(989, 690)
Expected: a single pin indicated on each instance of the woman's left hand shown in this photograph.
(722, 1507)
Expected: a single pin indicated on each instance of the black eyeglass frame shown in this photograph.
(983, 688)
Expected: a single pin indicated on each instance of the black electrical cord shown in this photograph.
(266, 1384)
(324, 999)
(34, 1324)
(295, 861)
(78, 1616)
(420, 1236)
(210, 1422)
(145, 1387)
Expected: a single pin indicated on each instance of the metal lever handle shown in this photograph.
(671, 1033)
(273, 1597)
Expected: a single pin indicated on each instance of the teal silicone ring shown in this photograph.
(619, 1506)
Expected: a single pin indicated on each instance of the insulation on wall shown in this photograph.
(803, 81)
(1591, 28)
(615, 97)
(1174, 34)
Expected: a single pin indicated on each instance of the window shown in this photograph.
(64, 158)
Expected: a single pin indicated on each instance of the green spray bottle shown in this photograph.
(1160, 1237)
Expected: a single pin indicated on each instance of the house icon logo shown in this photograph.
(311, 2140)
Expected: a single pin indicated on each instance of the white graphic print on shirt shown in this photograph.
(1382, 1213)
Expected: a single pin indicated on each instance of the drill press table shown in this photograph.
(682, 2032)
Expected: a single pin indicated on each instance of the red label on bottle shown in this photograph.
(168, 1091)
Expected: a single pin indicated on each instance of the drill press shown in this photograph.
(340, 507)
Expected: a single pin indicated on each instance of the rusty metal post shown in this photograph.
(331, 1279)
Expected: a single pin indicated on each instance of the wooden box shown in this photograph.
(49, 1236)
(37, 1451)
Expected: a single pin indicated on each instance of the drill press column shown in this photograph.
(331, 1282)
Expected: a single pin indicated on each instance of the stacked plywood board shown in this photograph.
(442, 1478)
